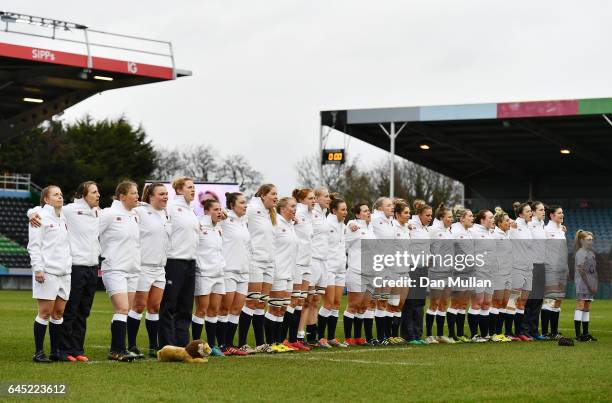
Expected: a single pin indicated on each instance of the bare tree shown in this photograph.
(203, 163)
(413, 181)
(235, 168)
(168, 164)
(354, 184)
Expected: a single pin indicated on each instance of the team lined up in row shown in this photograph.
(284, 254)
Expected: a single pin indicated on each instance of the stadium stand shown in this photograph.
(16, 191)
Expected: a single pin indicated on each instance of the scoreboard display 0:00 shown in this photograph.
(333, 156)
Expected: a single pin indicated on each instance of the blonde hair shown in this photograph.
(179, 182)
(420, 206)
(580, 235)
(124, 187)
(461, 212)
(45, 193)
(379, 202)
(441, 211)
(500, 215)
(261, 192)
(283, 203)
(319, 191)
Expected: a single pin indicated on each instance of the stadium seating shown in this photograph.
(597, 220)
(14, 232)
(13, 255)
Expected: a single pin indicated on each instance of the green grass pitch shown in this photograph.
(536, 371)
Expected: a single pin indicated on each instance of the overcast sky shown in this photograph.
(262, 70)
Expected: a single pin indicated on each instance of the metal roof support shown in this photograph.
(392, 134)
(579, 152)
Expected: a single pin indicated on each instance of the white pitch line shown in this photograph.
(594, 330)
(322, 357)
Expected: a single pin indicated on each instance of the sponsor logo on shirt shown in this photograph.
(79, 212)
(118, 218)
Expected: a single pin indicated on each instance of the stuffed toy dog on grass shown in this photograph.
(195, 352)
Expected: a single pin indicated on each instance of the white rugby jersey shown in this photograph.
(120, 239)
(539, 234)
(185, 229)
(420, 243)
(441, 245)
(400, 231)
(83, 231)
(336, 262)
(464, 243)
(503, 251)
(522, 247)
(155, 230)
(353, 243)
(484, 245)
(304, 232)
(236, 241)
(261, 230)
(285, 249)
(383, 225)
(556, 246)
(48, 244)
(209, 255)
(320, 240)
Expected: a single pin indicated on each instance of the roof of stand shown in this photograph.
(507, 139)
(39, 82)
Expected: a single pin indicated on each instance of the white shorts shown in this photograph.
(318, 276)
(236, 282)
(356, 283)
(438, 280)
(522, 279)
(487, 280)
(502, 281)
(337, 279)
(261, 272)
(117, 282)
(556, 277)
(151, 277)
(282, 285)
(463, 277)
(296, 276)
(209, 285)
(53, 287)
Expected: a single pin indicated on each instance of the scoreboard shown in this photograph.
(333, 156)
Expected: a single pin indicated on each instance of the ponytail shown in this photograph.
(580, 235)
